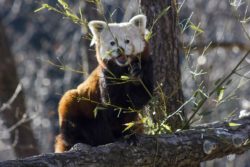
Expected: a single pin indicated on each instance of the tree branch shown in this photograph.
(8, 104)
(201, 143)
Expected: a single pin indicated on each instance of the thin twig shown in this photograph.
(215, 89)
(178, 110)
(8, 104)
(25, 118)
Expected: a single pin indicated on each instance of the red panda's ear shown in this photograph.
(96, 27)
(139, 21)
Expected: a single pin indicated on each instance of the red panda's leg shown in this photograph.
(67, 109)
(140, 93)
(78, 123)
(60, 145)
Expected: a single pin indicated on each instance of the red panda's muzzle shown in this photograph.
(122, 59)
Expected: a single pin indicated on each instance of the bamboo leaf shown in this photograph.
(148, 36)
(128, 126)
(124, 77)
(44, 6)
(166, 127)
(232, 124)
(220, 93)
(196, 28)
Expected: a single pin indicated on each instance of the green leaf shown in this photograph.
(44, 6)
(196, 93)
(196, 28)
(128, 126)
(232, 124)
(124, 77)
(109, 52)
(220, 93)
(166, 127)
(148, 36)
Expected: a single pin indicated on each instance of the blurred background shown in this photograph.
(42, 55)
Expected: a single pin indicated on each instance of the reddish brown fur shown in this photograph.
(77, 100)
(82, 101)
(60, 145)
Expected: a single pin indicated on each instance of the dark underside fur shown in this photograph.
(109, 123)
(127, 93)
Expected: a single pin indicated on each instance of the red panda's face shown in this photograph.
(119, 42)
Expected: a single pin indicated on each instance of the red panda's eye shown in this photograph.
(126, 41)
(112, 43)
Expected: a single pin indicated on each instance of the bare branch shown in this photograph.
(25, 118)
(7, 105)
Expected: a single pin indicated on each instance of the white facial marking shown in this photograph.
(119, 39)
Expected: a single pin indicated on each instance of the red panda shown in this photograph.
(96, 112)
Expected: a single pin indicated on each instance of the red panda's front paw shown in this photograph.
(136, 72)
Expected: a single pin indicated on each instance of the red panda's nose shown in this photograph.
(120, 51)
